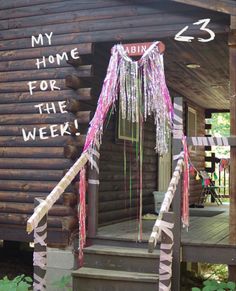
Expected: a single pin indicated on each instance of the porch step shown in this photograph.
(121, 259)
(92, 279)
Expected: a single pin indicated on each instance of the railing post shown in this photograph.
(166, 256)
(40, 252)
(93, 187)
(176, 149)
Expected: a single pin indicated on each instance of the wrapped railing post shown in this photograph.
(166, 251)
(40, 252)
(177, 148)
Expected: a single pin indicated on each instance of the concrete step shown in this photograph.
(121, 259)
(92, 279)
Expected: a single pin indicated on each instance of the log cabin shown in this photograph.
(202, 73)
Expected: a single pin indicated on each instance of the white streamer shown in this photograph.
(178, 107)
(225, 141)
(93, 181)
(41, 285)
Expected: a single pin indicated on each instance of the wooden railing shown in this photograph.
(163, 230)
(223, 175)
(38, 223)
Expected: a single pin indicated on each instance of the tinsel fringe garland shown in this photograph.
(141, 89)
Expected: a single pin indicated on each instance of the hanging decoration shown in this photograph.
(185, 195)
(224, 164)
(141, 89)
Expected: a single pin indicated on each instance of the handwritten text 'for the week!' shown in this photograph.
(53, 130)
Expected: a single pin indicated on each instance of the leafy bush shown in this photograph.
(213, 285)
(19, 283)
(63, 284)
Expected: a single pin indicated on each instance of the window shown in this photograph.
(192, 125)
(127, 130)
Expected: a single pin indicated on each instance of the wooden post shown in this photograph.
(40, 252)
(93, 187)
(232, 70)
(166, 240)
(176, 149)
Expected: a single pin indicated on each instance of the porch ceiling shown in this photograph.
(207, 85)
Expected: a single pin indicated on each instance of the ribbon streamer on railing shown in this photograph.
(209, 141)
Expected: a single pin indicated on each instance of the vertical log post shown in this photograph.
(40, 252)
(93, 187)
(167, 251)
(176, 149)
(232, 71)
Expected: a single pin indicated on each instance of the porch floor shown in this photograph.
(207, 236)
(208, 225)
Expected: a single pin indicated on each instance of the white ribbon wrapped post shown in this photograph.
(166, 250)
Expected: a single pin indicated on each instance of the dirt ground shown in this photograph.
(15, 261)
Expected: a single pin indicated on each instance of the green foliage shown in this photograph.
(220, 127)
(19, 283)
(220, 124)
(213, 285)
(63, 284)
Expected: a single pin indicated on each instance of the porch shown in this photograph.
(207, 239)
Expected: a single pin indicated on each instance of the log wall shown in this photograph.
(198, 155)
(32, 169)
(119, 193)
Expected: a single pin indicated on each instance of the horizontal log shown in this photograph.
(31, 186)
(114, 176)
(120, 156)
(33, 107)
(22, 86)
(122, 195)
(33, 53)
(116, 215)
(111, 147)
(12, 141)
(35, 175)
(58, 118)
(74, 82)
(28, 208)
(75, 62)
(67, 198)
(35, 163)
(84, 94)
(21, 3)
(72, 152)
(73, 105)
(32, 152)
(118, 186)
(46, 74)
(13, 130)
(64, 222)
(120, 166)
(30, 64)
(121, 204)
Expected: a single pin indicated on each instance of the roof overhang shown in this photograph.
(224, 6)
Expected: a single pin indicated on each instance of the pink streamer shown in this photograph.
(106, 101)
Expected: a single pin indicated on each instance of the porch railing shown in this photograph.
(223, 174)
(163, 230)
(38, 223)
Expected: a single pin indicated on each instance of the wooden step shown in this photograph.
(121, 258)
(92, 279)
